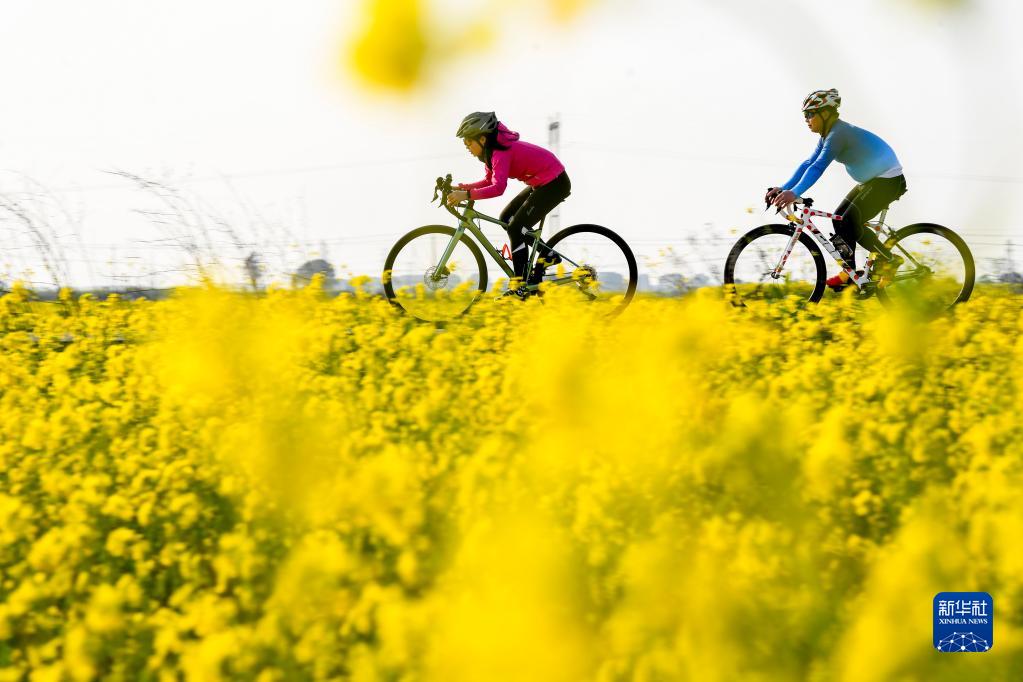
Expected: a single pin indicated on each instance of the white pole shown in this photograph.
(553, 221)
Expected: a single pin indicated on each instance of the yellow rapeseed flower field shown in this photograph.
(290, 486)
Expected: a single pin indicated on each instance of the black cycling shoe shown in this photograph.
(520, 292)
(540, 269)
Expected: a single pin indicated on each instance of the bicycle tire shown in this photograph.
(630, 258)
(765, 230)
(388, 283)
(969, 268)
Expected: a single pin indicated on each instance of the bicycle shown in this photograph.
(436, 272)
(772, 262)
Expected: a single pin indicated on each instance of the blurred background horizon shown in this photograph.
(139, 144)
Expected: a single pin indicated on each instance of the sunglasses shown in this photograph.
(809, 114)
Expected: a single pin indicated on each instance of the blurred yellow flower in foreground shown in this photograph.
(399, 44)
(391, 49)
(290, 486)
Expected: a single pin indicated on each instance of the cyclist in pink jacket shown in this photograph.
(506, 156)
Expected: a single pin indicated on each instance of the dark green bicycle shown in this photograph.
(437, 272)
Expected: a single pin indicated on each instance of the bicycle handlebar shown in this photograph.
(443, 186)
(806, 201)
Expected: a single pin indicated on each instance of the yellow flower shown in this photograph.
(103, 614)
(293, 485)
(120, 540)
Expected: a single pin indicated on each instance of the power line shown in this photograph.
(270, 172)
(687, 156)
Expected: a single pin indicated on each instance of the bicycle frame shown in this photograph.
(804, 221)
(466, 224)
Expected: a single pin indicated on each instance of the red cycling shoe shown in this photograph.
(841, 280)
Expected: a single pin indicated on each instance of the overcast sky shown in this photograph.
(675, 116)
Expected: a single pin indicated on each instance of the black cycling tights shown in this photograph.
(860, 205)
(526, 210)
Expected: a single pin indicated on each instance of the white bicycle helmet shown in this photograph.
(818, 99)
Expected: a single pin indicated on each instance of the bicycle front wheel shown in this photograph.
(597, 264)
(937, 273)
(415, 281)
(750, 271)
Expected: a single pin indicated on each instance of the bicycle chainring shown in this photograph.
(868, 290)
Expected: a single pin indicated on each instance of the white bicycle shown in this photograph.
(773, 262)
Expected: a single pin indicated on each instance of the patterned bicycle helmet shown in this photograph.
(478, 123)
(818, 99)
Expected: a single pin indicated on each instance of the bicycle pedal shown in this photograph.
(521, 293)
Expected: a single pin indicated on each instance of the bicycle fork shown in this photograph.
(776, 272)
(441, 269)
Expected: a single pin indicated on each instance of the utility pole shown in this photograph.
(553, 221)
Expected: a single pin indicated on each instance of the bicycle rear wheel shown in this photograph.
(749, 270)
(938, 271)
(597, 265)
(413, 282)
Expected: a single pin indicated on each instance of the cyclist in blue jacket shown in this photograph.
(868, 159)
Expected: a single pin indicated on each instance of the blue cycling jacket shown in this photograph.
(865, 155)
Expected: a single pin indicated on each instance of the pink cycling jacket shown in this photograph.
(533, 165)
